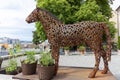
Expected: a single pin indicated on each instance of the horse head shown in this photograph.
(33, 16)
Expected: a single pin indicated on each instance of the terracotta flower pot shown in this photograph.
(46, 72)
(82, 51)
(29, 69)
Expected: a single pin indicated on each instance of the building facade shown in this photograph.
(118, 19)
(6, 42)
(114, 19)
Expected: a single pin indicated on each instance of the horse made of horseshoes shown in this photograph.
(61, 35)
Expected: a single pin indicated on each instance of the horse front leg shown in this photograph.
(96, 68)
(55, 55)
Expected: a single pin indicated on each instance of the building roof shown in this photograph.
(118, 8)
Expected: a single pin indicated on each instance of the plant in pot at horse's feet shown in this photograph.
(11, 69)
(104, 47)
(1, 60)
(81, 49)
(118, 45)
(46, 66)
(66, 50)
(29, 64)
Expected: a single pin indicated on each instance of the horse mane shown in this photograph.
(49, 13)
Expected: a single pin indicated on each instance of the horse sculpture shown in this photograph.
(61, 35)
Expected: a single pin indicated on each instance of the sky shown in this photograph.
(116, 4)
(12, 18)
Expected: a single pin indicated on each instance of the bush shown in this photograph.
(81, 48)
(66, 48)
(119, 42)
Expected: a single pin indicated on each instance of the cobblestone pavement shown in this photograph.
(76, 60)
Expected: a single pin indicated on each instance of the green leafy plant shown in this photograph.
(12, 65)
(66, 48)
(104, 47)
(11, 52)
(81, 48)
(16, 48)
(46, 59)
(118, 42)
(30, 57)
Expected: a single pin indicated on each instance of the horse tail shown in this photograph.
(108, 40)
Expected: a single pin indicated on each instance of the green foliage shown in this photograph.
(12, 65)
(35, 38)
(104, 47)
(90, 11)
(66, 48)
(30, 57)
(64, 9)
(17, 47)
(112, 28)
(46, 59)
(39, 34)
(11, 52)
(104, 8)
(81, 47)
(119, 42)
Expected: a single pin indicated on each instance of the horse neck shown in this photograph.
(48, 20)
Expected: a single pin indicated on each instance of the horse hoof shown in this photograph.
(91, 75)
(55, 73)
(104, 72)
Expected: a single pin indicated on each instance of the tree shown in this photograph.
(71, 11)
(90, 11)
(39, 35)
(35, 38)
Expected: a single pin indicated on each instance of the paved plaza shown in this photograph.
(76, 60)
(89, 61)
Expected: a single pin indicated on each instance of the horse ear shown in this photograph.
(37, 8)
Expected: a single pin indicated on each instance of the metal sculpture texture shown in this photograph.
(61, 35)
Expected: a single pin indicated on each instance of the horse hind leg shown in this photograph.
(103, 54)
(96, 67)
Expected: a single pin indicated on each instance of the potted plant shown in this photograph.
(104, 47)
(118, 45)
(11, 69)
(66, 50)
(46, 67)
(1, 61)
(81, 49)
(29, 64)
